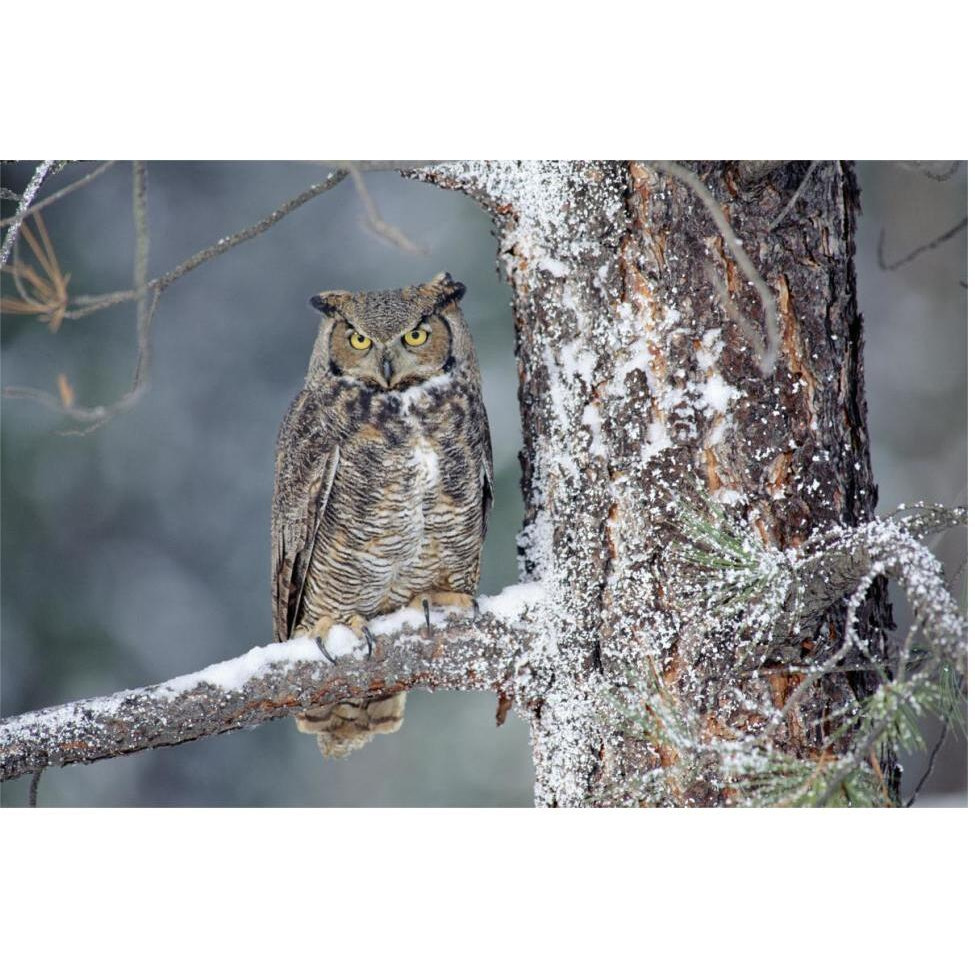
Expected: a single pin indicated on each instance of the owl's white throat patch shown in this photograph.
(417, 395)
(427, 463)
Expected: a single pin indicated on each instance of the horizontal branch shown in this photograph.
(460, 653)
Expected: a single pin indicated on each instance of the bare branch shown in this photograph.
(35, 781)
(383, 165)
(768, 351)
(794, 199)
(147, 294)
(931, 245)
(27, 197)
(926, 169)
(97, 302)
(929, 768)
(60, 194)
(95, 416)
(375, 222)
(270, 682)
(733, 312)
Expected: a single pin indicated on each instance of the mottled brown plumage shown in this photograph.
(383, 478)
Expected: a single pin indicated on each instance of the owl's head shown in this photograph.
(391, 340)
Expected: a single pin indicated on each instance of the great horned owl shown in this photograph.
(383, 479)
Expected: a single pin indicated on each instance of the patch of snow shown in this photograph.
(590, 417)
(554, 267)
(671, 317)
(577, 360)
(715, 394)
(658, 440)
(728, 496)
(512, 601)
(231, 675)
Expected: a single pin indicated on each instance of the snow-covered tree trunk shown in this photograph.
(638, 388)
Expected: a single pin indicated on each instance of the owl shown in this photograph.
(383, 480)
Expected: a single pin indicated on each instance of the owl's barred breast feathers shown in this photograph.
(383, 477)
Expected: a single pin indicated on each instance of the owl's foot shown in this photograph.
(440, 599)
(321, 647)
(319, 632)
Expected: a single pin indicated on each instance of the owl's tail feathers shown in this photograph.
(347, 726)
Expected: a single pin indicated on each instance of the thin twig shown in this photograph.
(813, 166)
(60, 194)
(767, 353)
(375, 222)
(733, 311)
(147, 300)
(140, 262)
(852, 761)
(160, 284)
(930, 766)
(942, 737)
(35, 781)
(26, 199)
(878, 772)
(925, 169)
(930, 246)
(383, 165)
(147, 294)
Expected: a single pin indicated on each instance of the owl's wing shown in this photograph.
(487, 469)
(307, 459)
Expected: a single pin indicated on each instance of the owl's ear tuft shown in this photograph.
(449, 289)
(325, 301)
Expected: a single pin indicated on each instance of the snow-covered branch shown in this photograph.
(26, 199)
(841, 559)
(460, 652)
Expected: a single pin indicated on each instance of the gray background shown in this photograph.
(141, 551)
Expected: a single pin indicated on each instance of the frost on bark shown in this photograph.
(638, 393)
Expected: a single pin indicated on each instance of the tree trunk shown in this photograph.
(639, 390)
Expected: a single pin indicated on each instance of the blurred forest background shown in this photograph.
(141, 551)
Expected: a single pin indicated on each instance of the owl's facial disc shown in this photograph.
(396, 360)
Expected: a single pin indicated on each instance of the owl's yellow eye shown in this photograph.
(417, 337)
(358, 341)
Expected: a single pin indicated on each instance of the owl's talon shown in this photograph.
(321, 646)
(475, 609)
(370, 641)
(426, 614)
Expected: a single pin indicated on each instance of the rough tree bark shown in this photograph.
(635, 379)
(645, 410)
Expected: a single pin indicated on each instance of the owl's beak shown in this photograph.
(387, 367)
